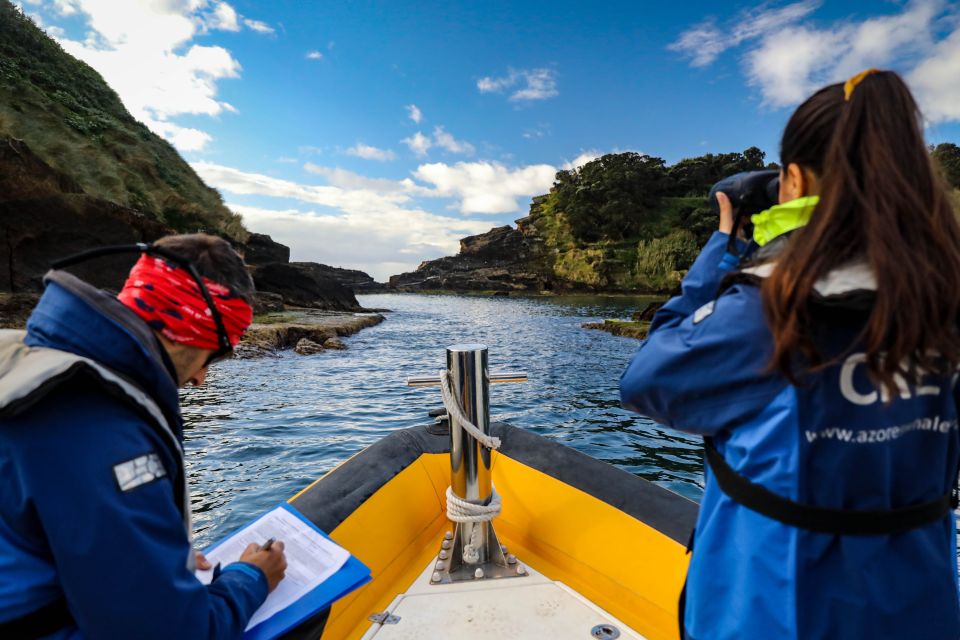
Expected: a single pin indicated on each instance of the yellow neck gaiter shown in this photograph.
(782, 218)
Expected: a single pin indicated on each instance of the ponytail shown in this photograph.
(882, 201)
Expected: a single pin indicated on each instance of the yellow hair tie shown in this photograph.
(852, 83)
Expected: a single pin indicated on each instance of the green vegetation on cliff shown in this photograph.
(629, 221)
(76, 123)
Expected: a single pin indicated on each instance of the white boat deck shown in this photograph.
(529, 607)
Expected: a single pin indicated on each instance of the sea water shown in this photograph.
(260, 430)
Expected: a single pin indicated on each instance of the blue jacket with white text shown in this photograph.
(835, 441)
(94, 517)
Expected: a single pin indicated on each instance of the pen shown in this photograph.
(267, 545)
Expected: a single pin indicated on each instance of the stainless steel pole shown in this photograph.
(472, 550)
(469, 461)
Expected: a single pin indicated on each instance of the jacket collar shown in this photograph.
(76, 317)
(853, 277)
(782, 218)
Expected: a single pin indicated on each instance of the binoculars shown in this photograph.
(750, 192)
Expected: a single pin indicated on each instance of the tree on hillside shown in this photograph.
(947, 155)
(695, 176)
(611, 197)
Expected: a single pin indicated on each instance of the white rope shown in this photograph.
(452, 404)
(460, 510)
(464, 512)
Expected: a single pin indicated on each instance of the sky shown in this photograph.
(375, 135)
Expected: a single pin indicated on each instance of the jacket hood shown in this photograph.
(76, 317)
(853, 277)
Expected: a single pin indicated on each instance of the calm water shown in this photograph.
(260, 430)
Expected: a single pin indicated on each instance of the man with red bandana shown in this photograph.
(94, 511)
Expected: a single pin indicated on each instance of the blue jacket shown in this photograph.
(832, 442)
(91, 509)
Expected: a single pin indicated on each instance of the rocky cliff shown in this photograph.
(44, 215)
(77, 171)
(355, 279)
(503, 259)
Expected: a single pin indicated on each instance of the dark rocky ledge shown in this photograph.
(274, 332)
(503, 259)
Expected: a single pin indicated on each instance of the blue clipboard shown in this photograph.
(352, 575)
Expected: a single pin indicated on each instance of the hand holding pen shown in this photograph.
(269, 558)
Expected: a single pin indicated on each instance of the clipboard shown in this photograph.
(351, 575)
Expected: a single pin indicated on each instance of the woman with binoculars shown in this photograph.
(819, 362)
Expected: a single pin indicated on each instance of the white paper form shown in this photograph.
(311, 558)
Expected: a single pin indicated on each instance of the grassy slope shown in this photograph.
(75, 122)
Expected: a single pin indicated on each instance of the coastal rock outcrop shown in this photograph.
(304, 284)
(266, 302)
(307, 347)
(262, 249)
(351, 278)
(278, 331)
(334, 343)
(503, 259)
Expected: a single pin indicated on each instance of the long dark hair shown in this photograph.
(881, 200)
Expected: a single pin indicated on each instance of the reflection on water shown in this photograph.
(261, 430)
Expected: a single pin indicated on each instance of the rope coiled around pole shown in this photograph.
(459, 510)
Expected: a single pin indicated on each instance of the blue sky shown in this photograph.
(374, 135)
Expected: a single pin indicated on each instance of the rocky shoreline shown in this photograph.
(307, 331)
(622, 328)
(638, 326)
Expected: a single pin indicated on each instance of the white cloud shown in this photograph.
(487, 187)
(314, 55)
(224, 17)
(532, 84)
(582, 159)
(243, 183)
(364, 227)
(183, 138)
(143, 51)
(786, 60)
(418, 143)
(443, 139)
(790, 64)
(337, 177)
(704, 42)
(936, 80)
(374, 224)
(414, 113)
(540, 131)
(258, 26)
(65, 7)
(379, 243)
(789, 68)
(446, 141)
(367, 152)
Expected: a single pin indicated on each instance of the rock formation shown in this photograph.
(262, 249)
(44, 216)
(503, 259)
(77, 172)
(304, 284)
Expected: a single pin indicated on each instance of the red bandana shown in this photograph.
(169, 300)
